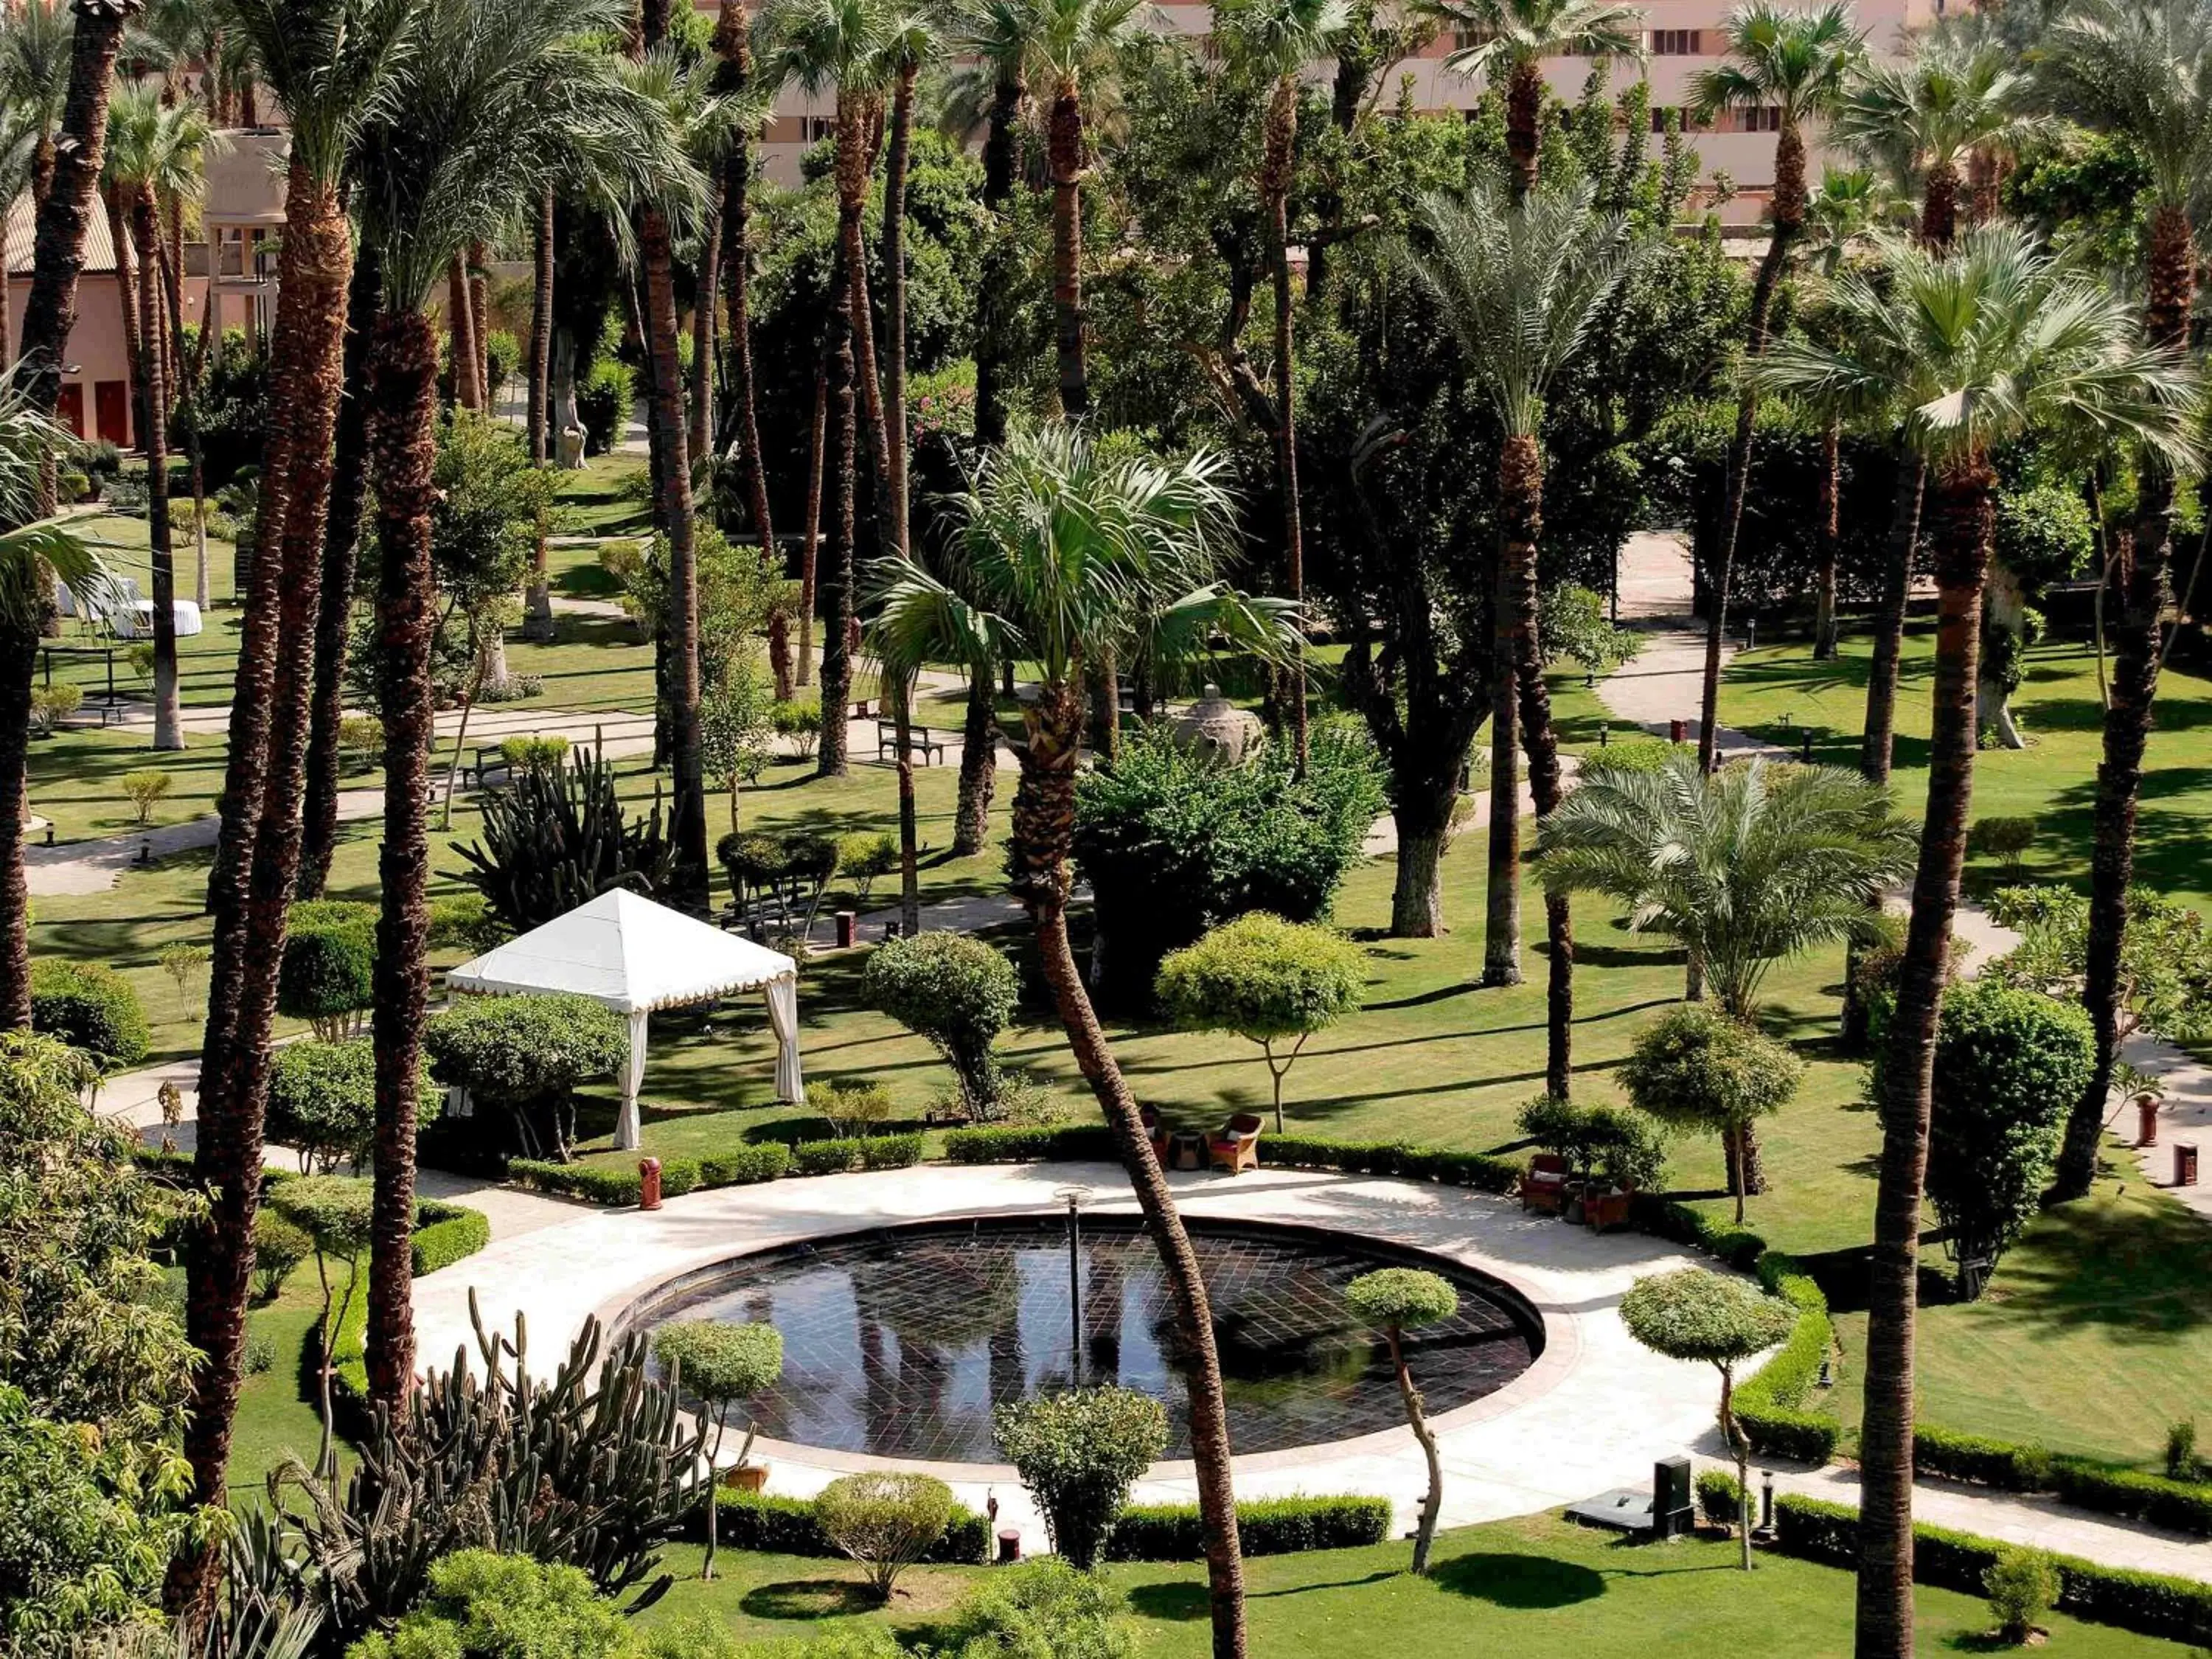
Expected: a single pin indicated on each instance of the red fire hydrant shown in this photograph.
(648, 1183)
(2147, 1120)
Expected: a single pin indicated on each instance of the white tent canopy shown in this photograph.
(636, 956)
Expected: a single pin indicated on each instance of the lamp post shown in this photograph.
(1075, 1198)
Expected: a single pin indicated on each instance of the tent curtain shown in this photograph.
(782, 996)
(627, 1131)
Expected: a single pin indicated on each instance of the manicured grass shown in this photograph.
(1535, 1586)
(2053, 781)
(76, 778)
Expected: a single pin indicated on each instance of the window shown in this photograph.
(1676, 43)
(817, 129)
(1765, 118)
(1468, 39)
(1690, 123)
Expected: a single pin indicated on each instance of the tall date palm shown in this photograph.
(1061, 552)
(1507, 42)
(2140, 69)
(1980, 346)
(1519, 282)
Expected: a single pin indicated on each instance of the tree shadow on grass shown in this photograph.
(1178, 1600)
(808, 1598)
(1519, 1581)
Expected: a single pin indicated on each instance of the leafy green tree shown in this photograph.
(329, 968)
(1698, 1066)
(955, 990)
(1270, 981)
(885, 1519)
(334, 1211)
(2165, 969)
(1695, 1314)
(1397, 1300)
(737, 729)
(322, 1102)
(1079, 1452)
(94, 1009)
(523, 1056)
(723, 1364)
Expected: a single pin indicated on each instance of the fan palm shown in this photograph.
(2140, 69)
(1796, 63)
(1979, 346)
(1508, 41)
(1519, 284)
(35, 46)
(156, 151)
(1954, 97)
(31, 558)
(1275, 39)
(1060, 550)
(500, 107)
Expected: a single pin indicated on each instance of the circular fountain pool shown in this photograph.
(899, 1342)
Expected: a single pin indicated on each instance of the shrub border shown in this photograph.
(1269, 1526)
(777, 1525)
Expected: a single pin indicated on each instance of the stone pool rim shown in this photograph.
(1550, 1328)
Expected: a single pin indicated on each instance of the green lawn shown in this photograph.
(1535, 1586)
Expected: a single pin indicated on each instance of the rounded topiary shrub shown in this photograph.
(957, 992)
(330, 958)
(1078, 1453)
(91, 1007)
(322, 1101)
(885, 1519)
(520, 1058)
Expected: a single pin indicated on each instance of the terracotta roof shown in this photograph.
(22, 233)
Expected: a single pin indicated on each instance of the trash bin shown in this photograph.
(2184, 1164)
(648, 1183)
(2146, 1120)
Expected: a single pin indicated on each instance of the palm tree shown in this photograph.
(31, 558)
(1847, 205)
(499, 107)
(2140, 69)
(36, 44)
(1994, 340)
(155, 150)
(1519, 282)
(1507, 42)
(1796, 65)
(20, 137)
(1075, 42)
(1057, 544)
(538, 594)
(327, 62)
(1744, 868)
(1275, 39)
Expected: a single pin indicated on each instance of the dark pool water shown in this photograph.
(899, 1342)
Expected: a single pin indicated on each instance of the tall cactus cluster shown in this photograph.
(592, 1466)
(557, 837)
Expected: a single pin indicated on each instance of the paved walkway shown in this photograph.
(1665, 681)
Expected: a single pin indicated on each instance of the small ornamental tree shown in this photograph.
(1396, 1300)
(737, 737)
(1694, 1313)
(723, 1364)
(523, 1056)
(1614, 1144)
(1271, 981)
(1078, 1453)
(322, 1102)
(864, 858)
(91, 1007)
(330, 957)
(145, 789)
(2009, 1065)
(885, 1521)
(278, 1247)
(956, 991)
(333, 1212)
(1697, 1067)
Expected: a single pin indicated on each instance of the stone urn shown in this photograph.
(1215, 727)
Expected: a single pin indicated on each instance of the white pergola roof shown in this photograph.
(628, 952)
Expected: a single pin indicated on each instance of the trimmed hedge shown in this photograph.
(814, 1158)
(90, 1006)
(1770, 1403)
(2150, 1604)
(774, 1525)
(1029, 1144)
(1720, 1498)
(599, 1183)
(992, 1143)
(744, 1166)
(2109, 1488)
(1996, 1463)
(446, 1233)
(1274, 1526)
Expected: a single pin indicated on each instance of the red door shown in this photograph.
(109, 404)
(71, 409)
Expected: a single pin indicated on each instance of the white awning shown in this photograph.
(636, 956)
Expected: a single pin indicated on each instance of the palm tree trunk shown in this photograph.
(895, 158)
(1282, 133)
(126, 299)
(334, 619)
(978, 768)
(1524, 108)
(837, 658)
(183, 395)
(1939, 206)
(460, 334)
(252, 889)
(1044, 825)
(1880, 725)
(703, 334)
(690, 805)
(991, 298)
(404, 387)
(18, 662)
(1501, 933)
(900, 688)
(1064, 153)
(2146, 589)
(480, 324)
(153, 438)
(1830, 531)
(1789, 215)
(1520, 492)
(537, 596)
(1964, 522)
(810, 548)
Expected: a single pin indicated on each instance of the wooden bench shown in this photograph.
(918, 738)
(490, 758)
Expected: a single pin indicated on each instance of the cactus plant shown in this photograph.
(559, 838)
